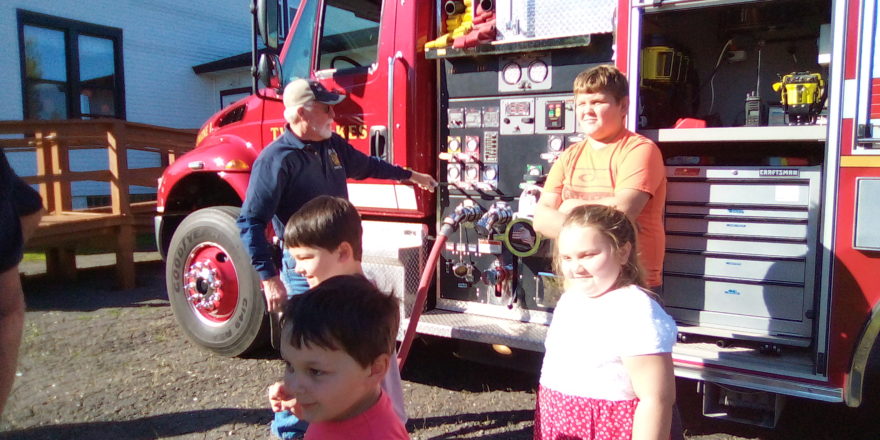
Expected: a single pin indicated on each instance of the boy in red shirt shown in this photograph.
(337, 340)
(325, 239)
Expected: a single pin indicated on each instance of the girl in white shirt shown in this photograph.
(607, 370)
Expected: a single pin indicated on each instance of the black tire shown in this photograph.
(211, 233)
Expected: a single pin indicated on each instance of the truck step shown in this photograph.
(484, 329)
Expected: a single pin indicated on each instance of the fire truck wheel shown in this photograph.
(213, 289)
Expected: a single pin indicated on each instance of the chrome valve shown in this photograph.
(497, 216)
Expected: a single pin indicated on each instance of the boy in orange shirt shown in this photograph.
(612, 166)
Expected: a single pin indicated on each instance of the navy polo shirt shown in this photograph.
(287, 174)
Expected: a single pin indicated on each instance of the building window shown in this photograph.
(70, 69)
(230, 96)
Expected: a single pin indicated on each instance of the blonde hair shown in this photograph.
(619, 230)
(602, 79)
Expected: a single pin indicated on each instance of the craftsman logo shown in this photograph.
(780, 173)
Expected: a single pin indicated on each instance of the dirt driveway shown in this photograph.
(98, 363)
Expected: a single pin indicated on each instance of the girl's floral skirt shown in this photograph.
(561, 416)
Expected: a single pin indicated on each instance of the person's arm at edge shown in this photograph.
(11, 324)
(12, 304)
(653, 382)
(30, 222)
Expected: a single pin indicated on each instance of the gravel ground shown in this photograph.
(98, 363)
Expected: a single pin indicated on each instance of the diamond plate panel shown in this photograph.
(561, 18)
(483, 329)
(394, 256)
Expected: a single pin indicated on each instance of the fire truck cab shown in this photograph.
(766, 113)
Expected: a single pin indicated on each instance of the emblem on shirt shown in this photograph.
(334, 159)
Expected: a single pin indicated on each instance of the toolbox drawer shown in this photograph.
(737, 227)
(738, 268)
(779, 194)
(760, 300)
(787, 214)
(741, 250)
(736, 247)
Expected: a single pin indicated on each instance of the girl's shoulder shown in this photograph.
(630, 295)
(635, 303)
(649, 329)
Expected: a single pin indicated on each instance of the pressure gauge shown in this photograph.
(453, 173)
(472, 143)
(490, 173)
(511, 73)
(555, 143)
(472, 173)
(453, 144)
(538, 71)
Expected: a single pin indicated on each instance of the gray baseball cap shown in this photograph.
(301, 92)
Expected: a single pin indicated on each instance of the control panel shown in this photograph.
(508, 118)
(493, 145)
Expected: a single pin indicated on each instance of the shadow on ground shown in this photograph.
(161, 426)
(435, 364)
(487, 421)
(95, 288)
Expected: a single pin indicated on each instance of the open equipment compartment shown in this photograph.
(743, 204)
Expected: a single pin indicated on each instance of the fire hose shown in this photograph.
(450, 224)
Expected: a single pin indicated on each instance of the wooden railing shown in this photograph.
(64, 228)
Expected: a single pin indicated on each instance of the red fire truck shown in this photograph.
(764, 112)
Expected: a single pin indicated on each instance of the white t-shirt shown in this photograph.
(391, 384)
(589, 336)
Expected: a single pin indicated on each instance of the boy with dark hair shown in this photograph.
(324, 237)
(338, 341)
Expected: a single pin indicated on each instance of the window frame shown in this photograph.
(320, 44)
(230, 92)
(72, 29)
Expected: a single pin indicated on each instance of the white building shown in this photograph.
(132, 59)
(160, 62)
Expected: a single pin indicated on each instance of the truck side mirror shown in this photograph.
(267, 22)
(269, 71)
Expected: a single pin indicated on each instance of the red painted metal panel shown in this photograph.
(405, 29)
(850, 63)
(855, 287)
(622, 34)
(875, 98)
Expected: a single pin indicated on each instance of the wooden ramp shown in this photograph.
(63, 229)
